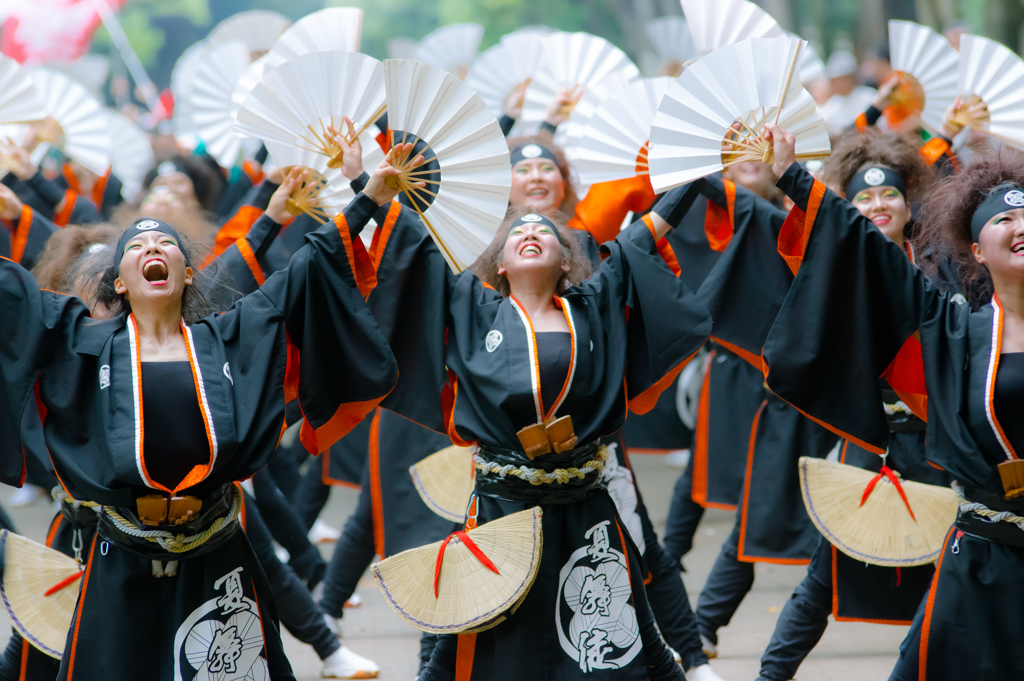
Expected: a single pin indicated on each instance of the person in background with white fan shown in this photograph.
(537, 262)
(54, 202)
(881, 173)
(848, 99)
(970, 363)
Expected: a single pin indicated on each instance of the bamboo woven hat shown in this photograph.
(458, 586)
(882, 531)
(445, 481)
(40, 590)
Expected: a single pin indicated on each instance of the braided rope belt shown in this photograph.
(538, 476)
(179, 543)
(968, 506)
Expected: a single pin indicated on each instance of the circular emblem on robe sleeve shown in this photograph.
(493, 340)
(874, 176)
(1014, 198)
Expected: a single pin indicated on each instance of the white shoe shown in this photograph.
(282, 554)
(322, 533)
(26, 496)
(345, 664)
(678, 458)
(710, 649)
(355, 602)
(702, 673)
(675, 656)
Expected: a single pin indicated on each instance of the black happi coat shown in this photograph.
(468, 367)
(24, 239)
(858, 309)
(246, 363)
(743, 291)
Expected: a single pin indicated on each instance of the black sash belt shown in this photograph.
(1000, 532)
(511, 488)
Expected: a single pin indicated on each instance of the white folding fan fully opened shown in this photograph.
(209, 99)
(257, 28)
(502, 68)
(717, 23)
(466, 167)
(714, 115)
(452, 48)
(20, 100)
(927, 67)
(334, 28)
(991, 89)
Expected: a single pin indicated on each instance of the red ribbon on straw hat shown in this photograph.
(473, 548)
(887, 472)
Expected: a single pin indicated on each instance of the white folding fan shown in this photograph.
(20, 101)
(501, 68)
(257, 28)
(452, 48)
(992, 76)
(467, 172)
(326, 191)
(571, 60)
(927, 67)
(295, 103)
(334, 28)
(209, 99)
(748, 84)
(810, 67)
(671, 39)
(717, 23)
(131, 152)
(75, 121)
(182, 77)
(570, 133)
(613, 145)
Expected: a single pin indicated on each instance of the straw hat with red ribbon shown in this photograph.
(469, 582)
(877, 518)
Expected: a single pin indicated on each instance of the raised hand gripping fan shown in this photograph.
(466, 159)
(509, 64)
(927, 68)
(714, 115)
(991, 89)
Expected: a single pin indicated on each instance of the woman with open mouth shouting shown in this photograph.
(154, 412)
(859, 308)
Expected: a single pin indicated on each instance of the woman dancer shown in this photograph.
(968, 376)
(154, 412)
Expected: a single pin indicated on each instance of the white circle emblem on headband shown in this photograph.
(874, 176)
(1014, 198)
(147, 224)
(531, 151)
(532, 217)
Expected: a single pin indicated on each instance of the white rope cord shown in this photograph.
(537, 476)
(967, 506)
(177, 543)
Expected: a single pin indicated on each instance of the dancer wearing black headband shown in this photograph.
(882, 173)
(155, 411)
(475, 333)
(966, 383)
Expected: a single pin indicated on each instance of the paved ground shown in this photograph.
(848, 652)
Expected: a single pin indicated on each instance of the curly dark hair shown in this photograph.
(64, 248)
(195, 299)
(545, 139)
(856, 150)
(486, 266)
(947, 211)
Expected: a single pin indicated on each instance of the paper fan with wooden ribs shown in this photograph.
(613, 144)
(209, 99)
(334, 28)
(452, 48)
(572, 60)
(20, 100)
(673, 43)
(40, 591)
(445, 481)
(871, 519)
(746, 85)
(131, 153)
(469, 582)
(75, 123)
(257, 28)
(466, 160)
(499, 69)
(717, 23)
(991, 89)
(927, 67)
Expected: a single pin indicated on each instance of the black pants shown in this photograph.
(729, 582)
(684, 515)
(312, 494)
(352, 555)
(802, 621)
(295, 606)
(286, 527)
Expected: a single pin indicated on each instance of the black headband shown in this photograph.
(876, 176)
(533, 219)
(146, 225)
(1005, 197)
(532, 150)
